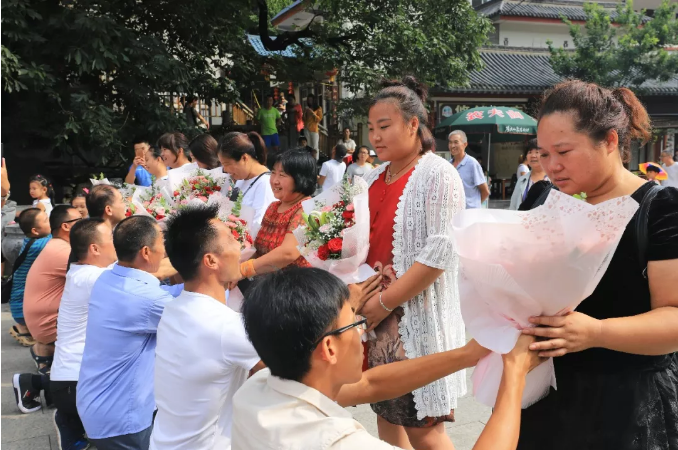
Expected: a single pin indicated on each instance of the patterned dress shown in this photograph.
(388, 347)
(274, 228)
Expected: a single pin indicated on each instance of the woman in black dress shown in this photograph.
(615, 360)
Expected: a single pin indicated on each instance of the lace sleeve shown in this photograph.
(443, 200)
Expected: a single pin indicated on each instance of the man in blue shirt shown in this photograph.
(115, 390)
(137, 172)
(470, 170)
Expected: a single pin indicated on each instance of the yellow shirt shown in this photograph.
(312, 119)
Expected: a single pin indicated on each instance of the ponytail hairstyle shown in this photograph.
(235, 144)
(44, 181)
(204, 149)
(598, 110)
(155, 151)
(173, 142)
(410, 97)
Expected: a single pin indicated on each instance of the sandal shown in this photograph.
(42, 363)
(25, 339)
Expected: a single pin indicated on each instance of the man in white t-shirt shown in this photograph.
(91, 243)
(203, 354)
(333, 171)
(671, 168)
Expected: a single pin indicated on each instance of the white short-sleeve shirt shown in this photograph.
(72, 321)
(203, 356)
(258, 195)
(333, 171)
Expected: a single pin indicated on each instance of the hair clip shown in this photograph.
(85, 190)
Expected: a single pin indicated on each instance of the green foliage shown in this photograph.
(625, 51)
(82, 78)
(436, 41)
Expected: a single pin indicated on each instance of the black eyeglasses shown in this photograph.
(361, 325)
(72, 220)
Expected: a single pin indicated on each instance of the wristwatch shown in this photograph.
(5, 197)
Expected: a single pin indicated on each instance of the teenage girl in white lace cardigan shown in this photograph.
(413, 198)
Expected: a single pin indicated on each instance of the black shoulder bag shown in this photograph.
(7, 287)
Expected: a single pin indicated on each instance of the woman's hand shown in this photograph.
(362, 292)
(570, 333)
(374, 313)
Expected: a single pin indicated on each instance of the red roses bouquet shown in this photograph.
(152, 202)
(335, 232)
(198, 185)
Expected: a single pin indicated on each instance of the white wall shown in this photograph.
(533, 35)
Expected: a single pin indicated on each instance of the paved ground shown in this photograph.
(36, 431)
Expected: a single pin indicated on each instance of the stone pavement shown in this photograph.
(36, 431)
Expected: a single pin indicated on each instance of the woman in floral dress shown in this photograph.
(413, 198)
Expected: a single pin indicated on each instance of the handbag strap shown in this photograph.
(22, 257)
(642, 233)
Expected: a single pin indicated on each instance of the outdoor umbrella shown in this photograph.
(499, 123)
(662, 173)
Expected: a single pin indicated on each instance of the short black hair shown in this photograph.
(190, 234)
(651, 168)
(301, 166)
(531, 145)
(141, 140)
(133, 234)
(339, 152)
(269, 96)
(27, 219)
(302, 138)
(101, 196)
(287, 311)
(58, 216)
(83, 234)
(191, 99)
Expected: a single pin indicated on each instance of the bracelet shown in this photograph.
(247, 269)
(382, 304)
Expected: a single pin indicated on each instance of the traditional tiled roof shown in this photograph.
(572, 10)
(528, 71)
(259, 47)
(285, 10)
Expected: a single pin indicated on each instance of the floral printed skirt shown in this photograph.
(388, 348)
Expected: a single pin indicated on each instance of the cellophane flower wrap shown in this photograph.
(336, 230)
(519, 264)
(198, 185)
(151, 201)
(237, 217)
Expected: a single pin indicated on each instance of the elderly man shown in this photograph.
(671, 168)
(310, 339)
(470, 170)
(45, 285)
(115, 390)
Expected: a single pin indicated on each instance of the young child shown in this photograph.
(42, 193)
(35, 225)
(79, 202)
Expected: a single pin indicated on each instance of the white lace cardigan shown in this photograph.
(422, 233)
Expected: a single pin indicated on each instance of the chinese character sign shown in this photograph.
(473, 115)
(495, 112)
(514, 114)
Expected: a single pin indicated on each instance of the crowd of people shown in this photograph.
(138, 346)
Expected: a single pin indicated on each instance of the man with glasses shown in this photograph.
(304, 328)
(45, 285)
